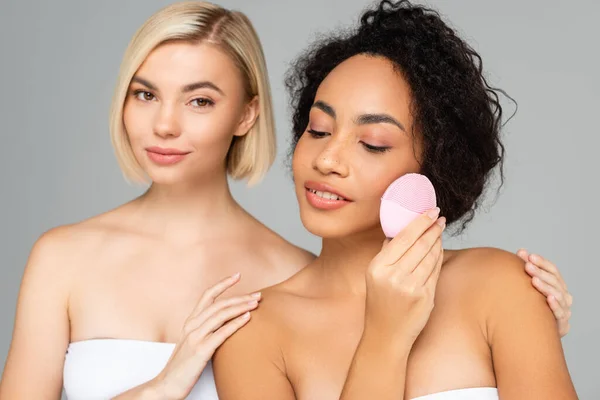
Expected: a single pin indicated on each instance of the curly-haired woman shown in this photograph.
(400, 94)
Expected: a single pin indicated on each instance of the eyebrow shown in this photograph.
(187, 88)
(143, 82)
(364, 119)
(202, 85)
(326, 108)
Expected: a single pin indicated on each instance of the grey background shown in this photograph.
(59, 61)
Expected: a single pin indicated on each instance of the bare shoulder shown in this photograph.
(273, 320)
(494, 281)
(519, 327)
(48, 262)
(272, 317)
(490, 268)
(88, 231)
(251, 361)
(43, 307)
(62, 248)
(263, 337)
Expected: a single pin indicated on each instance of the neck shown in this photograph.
(344, 262)
(187, 212)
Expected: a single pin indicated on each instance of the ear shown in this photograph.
(251, 112)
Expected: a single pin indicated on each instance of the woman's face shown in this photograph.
(357, 142)
(185, 104)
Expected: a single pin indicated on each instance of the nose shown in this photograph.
(332, 159)
(166, 123)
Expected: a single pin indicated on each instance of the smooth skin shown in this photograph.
(401, 320)
(139, 271)
(148, 270)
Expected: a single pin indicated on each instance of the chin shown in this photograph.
(338, 224)
(166, 176)
(341, 230)
(325, 230)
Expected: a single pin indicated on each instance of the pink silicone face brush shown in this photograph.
(405, 199)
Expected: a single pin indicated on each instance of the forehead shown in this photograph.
(181, 62)
(366, 84)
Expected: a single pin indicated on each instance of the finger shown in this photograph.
(218, 306)
(562, 317)
(548, 290)
(223, 316)
(559, 313)
(393, 250)
(545, 276)
(217, 338)
(410, 261)
(210, 294)
(423, 271)
(432, 281)
(564, 328)
(523, 254)
(546, 265)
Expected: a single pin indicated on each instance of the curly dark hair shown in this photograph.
(457, 114)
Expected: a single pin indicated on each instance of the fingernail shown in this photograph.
(534, 258)
(257, 295)
(530, 266)
(236, 276)
(246, 315)
(253, 303)
(433, 213)
(441, 222)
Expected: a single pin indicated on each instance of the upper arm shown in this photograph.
(526, 349)
(248, 365)
(41, 331)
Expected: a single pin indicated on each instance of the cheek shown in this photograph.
(307, 149)
(212, 128)
(375, 177)
(372, 186)
(135, 121)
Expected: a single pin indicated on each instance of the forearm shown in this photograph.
(378, 370)
(147, 391)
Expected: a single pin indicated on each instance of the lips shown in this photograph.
(165, 156)
(315, 187)
(324, 197)
(167, 151)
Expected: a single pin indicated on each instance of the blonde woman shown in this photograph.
(192, 104)
(125, 303)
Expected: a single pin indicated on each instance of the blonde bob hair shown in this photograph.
(251, 155)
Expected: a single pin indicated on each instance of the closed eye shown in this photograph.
(376, 149)
(317, 134)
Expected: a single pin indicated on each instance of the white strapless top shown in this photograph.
(484, 393)
(99, 369)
